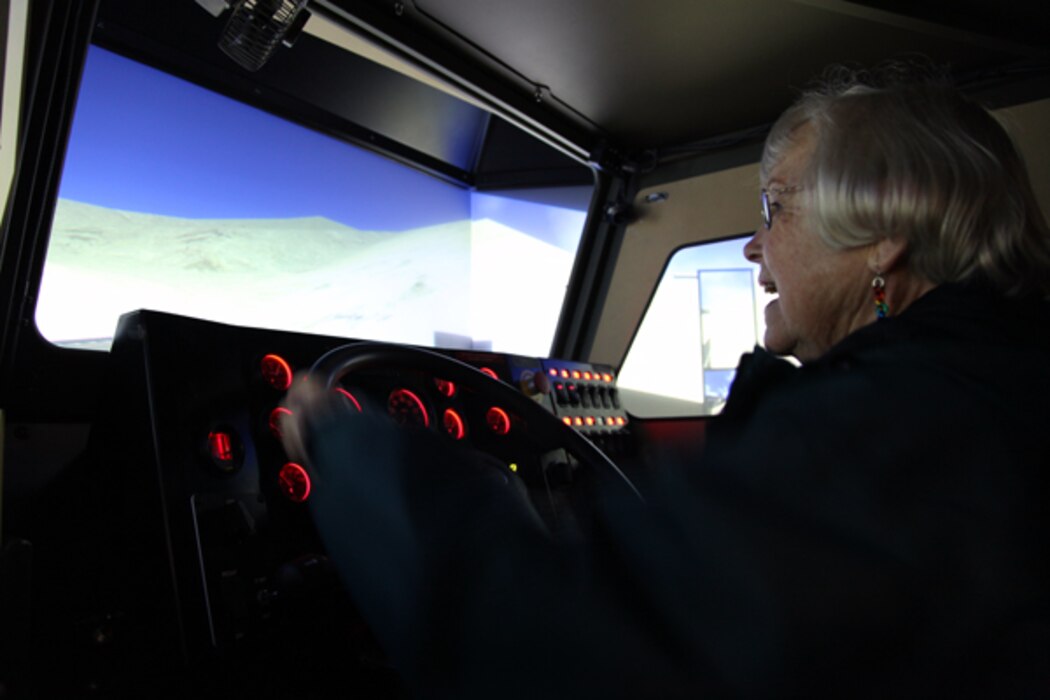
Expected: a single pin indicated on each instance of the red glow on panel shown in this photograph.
(565, 374)
(566, 420)
(620, 420)
(589, 420)
(576, 374)
(349, 397)
(577, 421)
(221, 447)
(276, 415)
(454, 425)
(498, 420)
(489, 371)
(587, 376)
(294, 482)
(607, 377)
(276, 371)
(610, 421)
(445, 388)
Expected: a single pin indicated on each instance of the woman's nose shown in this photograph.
(753, 248)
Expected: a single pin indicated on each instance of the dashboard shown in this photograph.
(224, 559)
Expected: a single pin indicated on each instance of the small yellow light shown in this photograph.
(513, 467)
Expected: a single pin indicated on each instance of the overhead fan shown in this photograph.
(256, 28)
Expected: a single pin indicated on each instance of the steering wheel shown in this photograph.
(543, 428)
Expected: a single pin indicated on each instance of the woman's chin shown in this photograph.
(777, 346)
(777, 339)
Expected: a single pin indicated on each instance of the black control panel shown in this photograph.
(222, 536)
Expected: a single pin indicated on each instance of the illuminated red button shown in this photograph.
(221, 447)
(498, 420)
(276, 371)
(224, 449)
(276, 416)
(349, 397)
(407, 408)
(454, 425)
(490, 372)
(294, 482)
(445, 388)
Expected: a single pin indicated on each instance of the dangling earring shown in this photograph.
(878, 288)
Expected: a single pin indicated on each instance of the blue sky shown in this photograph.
(145, 141)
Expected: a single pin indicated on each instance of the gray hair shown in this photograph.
(915, 159)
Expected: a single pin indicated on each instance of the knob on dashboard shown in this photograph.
(534, 383)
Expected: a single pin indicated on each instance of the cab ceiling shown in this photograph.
(609, 81)
(663, 74)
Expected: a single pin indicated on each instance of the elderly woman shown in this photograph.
(906, 188)
(870, 524)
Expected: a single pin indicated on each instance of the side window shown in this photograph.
(705, 314)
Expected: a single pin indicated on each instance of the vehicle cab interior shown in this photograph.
(517, 226)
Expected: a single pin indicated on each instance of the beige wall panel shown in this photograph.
(702, 208)
(1029, 125)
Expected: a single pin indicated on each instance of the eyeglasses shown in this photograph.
(769, 207)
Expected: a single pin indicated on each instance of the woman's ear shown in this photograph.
(887, 254)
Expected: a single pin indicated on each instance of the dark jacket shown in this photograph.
(891, 499)
(873, 524)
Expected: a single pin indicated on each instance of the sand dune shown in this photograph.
(102, 238)
(309, 274)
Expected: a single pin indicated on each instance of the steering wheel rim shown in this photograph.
(544, 427)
